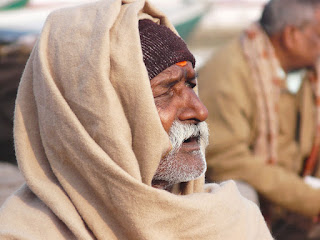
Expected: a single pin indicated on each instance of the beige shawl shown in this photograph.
(89, 139)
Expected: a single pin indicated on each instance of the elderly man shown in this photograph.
(101, 97)
(265, 134)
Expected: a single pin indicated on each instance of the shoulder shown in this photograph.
(227, 75)
(227, 67)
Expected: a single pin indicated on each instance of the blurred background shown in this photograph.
(203, 24)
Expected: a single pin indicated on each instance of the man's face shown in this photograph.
(307, 50)
(182, 114)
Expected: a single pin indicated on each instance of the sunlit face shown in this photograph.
(182, 114)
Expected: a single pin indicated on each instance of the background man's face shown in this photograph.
(178, 105)
(307, 50)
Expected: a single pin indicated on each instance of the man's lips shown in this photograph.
(191, 144)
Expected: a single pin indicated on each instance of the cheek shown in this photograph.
(167, 113)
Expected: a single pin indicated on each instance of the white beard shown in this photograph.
(174, 170)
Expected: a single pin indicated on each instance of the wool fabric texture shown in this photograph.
(89, 139)
(161, 47)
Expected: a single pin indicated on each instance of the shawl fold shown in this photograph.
(88, 140)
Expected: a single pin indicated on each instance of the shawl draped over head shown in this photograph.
(89, 139)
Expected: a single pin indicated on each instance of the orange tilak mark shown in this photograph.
(182, 64)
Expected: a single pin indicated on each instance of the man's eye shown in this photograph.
(191, 84)
(163, 93)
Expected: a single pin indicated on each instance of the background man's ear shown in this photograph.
(291, 38)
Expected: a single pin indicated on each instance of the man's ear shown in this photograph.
(291, 38)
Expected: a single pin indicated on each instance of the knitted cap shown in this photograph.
(161, 47)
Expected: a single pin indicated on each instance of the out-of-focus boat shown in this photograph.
(19, 17)
(12, 4)
(235, 14)
(184, 14)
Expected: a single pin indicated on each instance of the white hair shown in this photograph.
(180, 132)
(278, 14)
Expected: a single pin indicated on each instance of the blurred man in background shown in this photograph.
(264, 134)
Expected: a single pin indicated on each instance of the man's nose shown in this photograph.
(194, 109)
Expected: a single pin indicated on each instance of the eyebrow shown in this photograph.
(170, 82)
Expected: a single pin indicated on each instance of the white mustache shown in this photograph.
(180, 132)
(172, 168)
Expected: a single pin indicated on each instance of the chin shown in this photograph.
(181, 167)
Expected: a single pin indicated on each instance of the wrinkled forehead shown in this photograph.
(178, 71)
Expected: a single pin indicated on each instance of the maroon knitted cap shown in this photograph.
(161, 47)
